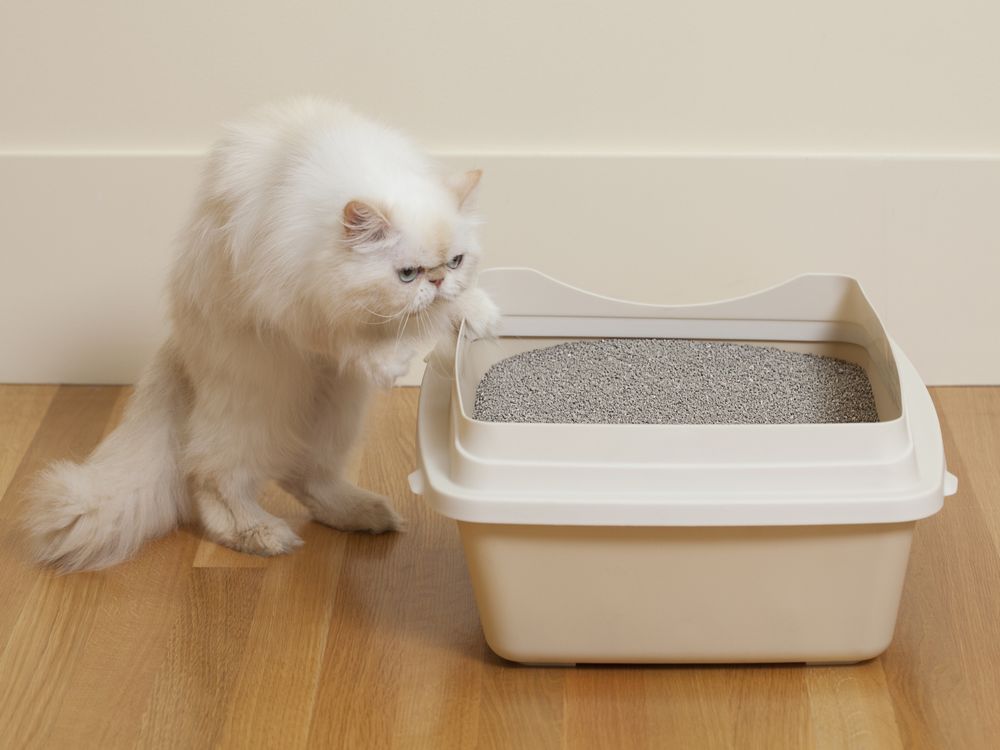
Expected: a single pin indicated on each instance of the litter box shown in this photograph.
(690, 543)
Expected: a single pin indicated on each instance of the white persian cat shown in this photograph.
(323, 252)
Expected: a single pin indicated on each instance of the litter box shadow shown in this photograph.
(409, 592)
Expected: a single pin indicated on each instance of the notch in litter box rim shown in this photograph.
(520, 325)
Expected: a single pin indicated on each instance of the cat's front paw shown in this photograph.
(351, 508)
(482, 316)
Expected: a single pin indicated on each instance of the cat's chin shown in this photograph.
(439, 303)
(449, 298)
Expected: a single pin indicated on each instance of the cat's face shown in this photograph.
(411, 258)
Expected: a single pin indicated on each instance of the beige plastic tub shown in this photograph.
(684, 543)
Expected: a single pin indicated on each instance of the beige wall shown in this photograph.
(615, 138)
(518, 75)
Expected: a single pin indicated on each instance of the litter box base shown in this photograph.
(571, 664)
(564, 595)
(835, 663)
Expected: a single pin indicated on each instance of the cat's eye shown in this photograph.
(406, 275)
(455, 262)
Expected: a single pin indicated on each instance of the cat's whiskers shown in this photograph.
(380, 315)
(420, 326)
(402, 328)
(399, 333)
(388, 318)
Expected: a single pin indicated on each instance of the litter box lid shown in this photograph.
(728, 474)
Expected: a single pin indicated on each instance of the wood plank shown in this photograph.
(274, 694)
(521, 706)
(723, 707)
(851, 707)
(943, 668)
(86, 626)
(359, 675)
(73, 425)
(22, 408)
(606, 707)
(770, 707)
(203, 659)
(690, 706)
(971, 417)
(119, 625)
(408, 599)
(44, 647)
(443, 640)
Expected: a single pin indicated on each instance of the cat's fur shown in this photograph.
(287, 309)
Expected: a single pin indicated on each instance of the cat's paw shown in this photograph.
(355, 509)
(482, 316)
(267, 538)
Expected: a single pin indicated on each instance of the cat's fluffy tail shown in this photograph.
(130, 489)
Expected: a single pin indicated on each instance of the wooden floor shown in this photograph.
(357, 641)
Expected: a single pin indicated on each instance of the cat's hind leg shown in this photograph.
(236, 443)
(230, 515)
(318, 482)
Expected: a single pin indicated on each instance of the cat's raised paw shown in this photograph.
(482, 316)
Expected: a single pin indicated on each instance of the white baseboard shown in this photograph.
(80, 286)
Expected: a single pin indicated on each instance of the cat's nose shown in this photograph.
(437, 282)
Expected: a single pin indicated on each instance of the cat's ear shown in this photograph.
(463, 186)
(365, 226)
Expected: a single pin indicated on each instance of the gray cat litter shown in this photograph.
(673, 381)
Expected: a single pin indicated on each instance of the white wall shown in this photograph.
(660, 151)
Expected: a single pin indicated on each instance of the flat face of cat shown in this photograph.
(409, 257)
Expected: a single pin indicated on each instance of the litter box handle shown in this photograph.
(950, 483)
